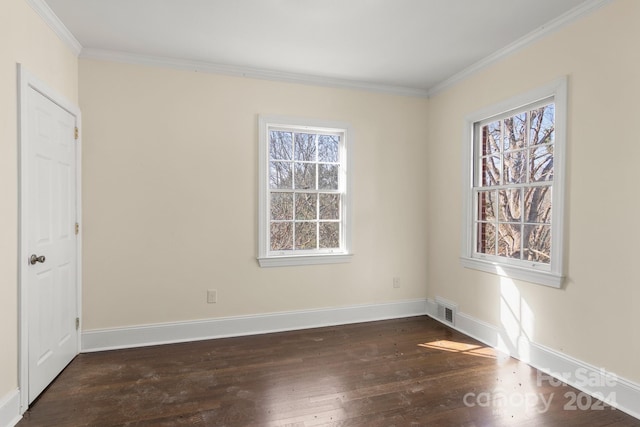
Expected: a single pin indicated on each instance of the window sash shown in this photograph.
(317, 221)
(294, 221)
(480, 186)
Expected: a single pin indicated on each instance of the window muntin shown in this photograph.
(514, 183)
(303, 192)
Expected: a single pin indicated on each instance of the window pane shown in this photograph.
(281, 236)
(537, 243)
(328, 148)
(510, 205)
(487, 205)
(306, 206)
(329, 206)
(509, 239)
(537, 205)
(329, 235)
(328, 177)
(514, 131)
(305, 148)
(280, 175)
(280, 145)
(541, 163)
(486, 238)
(491, 138)
(282, 206)
(515, 163)
(490, 171)
(306, 235)
(542, 125)
(305, 176)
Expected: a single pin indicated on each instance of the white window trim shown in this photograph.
(265, 259)
(550, 275)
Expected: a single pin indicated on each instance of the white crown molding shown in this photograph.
(548, 28)
(168, 333)
(256, 73)
(618, 392)
(50, 18)
(67, 37)
(10, 409)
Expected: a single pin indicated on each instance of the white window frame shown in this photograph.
(551, 274)
(269, 258)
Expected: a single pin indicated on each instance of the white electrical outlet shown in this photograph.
(396, 282)
(212, 296)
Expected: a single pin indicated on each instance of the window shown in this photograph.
(514, 191)
(304, 192)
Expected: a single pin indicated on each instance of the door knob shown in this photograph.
(34, 259)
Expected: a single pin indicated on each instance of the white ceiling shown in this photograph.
(412, 45)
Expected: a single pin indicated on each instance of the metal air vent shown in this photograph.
(446, 311)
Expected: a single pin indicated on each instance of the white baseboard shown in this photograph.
(432, 308)
(618, 392)
(10, 409)
(166, 333)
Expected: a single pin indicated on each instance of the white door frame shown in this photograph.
(26, 82)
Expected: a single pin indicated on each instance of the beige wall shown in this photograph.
(596, 317)
(170, 196)
(24, 38)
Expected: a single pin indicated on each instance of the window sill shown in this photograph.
(546, 278)
(285, 261)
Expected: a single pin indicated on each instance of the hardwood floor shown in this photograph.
(404, 372)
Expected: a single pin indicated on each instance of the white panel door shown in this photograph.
(51, 240)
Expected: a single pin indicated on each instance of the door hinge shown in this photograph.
(77, 323)
(76, 133)
(77, 228)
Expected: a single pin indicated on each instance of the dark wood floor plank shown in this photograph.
(401, 372)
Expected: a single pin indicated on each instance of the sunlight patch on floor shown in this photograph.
(460, 347)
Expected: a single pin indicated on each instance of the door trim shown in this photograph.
(26, 82)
